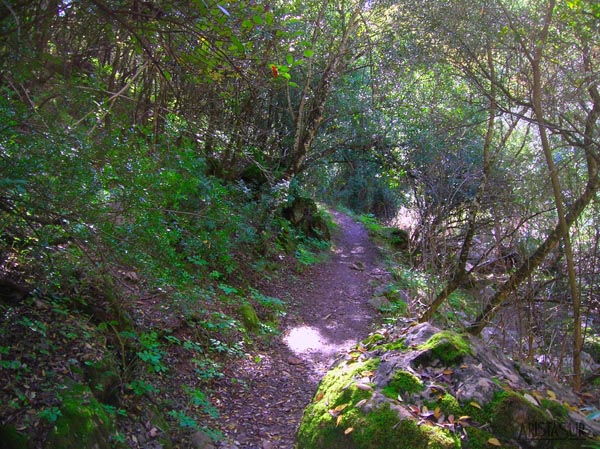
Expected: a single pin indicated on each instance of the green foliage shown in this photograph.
(141, 387)
(151, 352)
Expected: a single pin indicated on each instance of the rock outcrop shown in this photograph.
(415, 386)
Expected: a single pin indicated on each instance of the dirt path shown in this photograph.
(262, 405)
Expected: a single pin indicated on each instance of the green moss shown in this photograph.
(12, 439)
(449, 405)
(403, 382)
(397, 345)
(372, 340)
(556, 409)
(478, 439)
(383, 429)
(249, 317)
(337, 390)
(447, 346)
(327, 420)
(83, 422)
(378, 429)
(513, 413)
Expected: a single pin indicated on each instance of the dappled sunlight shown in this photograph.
(307, 339)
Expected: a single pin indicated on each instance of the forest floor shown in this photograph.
(262, 399)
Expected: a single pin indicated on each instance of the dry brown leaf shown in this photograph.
(338, 420)
(551, 394)
(364, 387)
(348, 430)
(494, 442)
(361, 403)
(448, 371)
(341, 407)
(475, 404)
(318, 397)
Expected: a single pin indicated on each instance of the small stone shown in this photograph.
(295, 360)
(379, 302)
(268, 445)
(200, 440)
(358, 266)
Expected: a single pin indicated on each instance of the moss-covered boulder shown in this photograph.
(305, 216)
(420, 387)
(83, 423)
(347, 413)
(249, 317)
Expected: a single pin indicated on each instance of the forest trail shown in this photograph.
(328, 313)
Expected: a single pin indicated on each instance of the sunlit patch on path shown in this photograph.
(304, 340)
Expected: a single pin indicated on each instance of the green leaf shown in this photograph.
(290, 59)
(308, 53)
(258, 20)
(238, 44)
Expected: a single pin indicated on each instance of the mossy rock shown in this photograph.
(337, 418)
(10, 438)
(373, 340)
(514, 417)
(447, 346)
(83, 422)
(304, 215)
(249, 317)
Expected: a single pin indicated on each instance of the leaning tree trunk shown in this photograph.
(533, 261)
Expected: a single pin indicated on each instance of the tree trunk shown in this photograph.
(533, 261)
(310, 111)
(460, 272)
